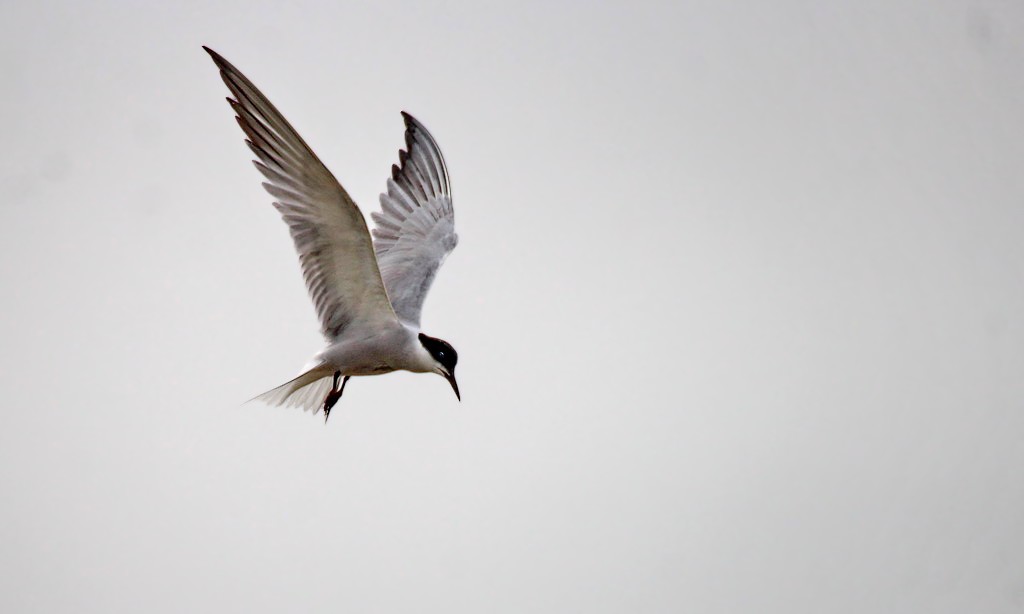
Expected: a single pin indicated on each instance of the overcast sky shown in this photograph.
(738, 303)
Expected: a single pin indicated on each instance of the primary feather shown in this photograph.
(415, 229)
(329, 231)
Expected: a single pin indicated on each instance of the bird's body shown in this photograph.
(368, 293)
(376, 351)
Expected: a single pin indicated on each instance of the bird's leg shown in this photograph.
(334, 394)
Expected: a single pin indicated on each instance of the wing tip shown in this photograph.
(218, 59)
(412, 129)
(227, 70)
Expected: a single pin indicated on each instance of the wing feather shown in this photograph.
(415, 228)
(329, 231)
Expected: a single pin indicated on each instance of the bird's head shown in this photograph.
(445, 357)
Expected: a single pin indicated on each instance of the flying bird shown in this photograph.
(368, 293)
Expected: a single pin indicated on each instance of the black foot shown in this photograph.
(334, 394)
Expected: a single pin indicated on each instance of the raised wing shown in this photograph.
(329, 231)
(415, 230)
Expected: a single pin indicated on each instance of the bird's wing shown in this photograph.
(329, 231)
(415, 229)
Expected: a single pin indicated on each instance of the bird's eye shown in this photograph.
(440, 355)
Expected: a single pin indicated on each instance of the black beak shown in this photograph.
(455, 386)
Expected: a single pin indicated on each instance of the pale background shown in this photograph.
(739, 307)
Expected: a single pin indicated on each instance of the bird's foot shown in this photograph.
(334, 394)
(332, 398)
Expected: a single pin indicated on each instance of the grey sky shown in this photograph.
(737, 300)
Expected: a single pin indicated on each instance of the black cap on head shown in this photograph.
(444, 353)
(441, 350)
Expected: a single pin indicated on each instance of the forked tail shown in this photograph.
(307, 391)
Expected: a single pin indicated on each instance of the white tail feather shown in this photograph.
(307, 391)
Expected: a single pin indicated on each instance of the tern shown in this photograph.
(368, 292)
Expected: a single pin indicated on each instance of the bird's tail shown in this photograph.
(307, 391)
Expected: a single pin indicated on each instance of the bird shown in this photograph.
(368, 291)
